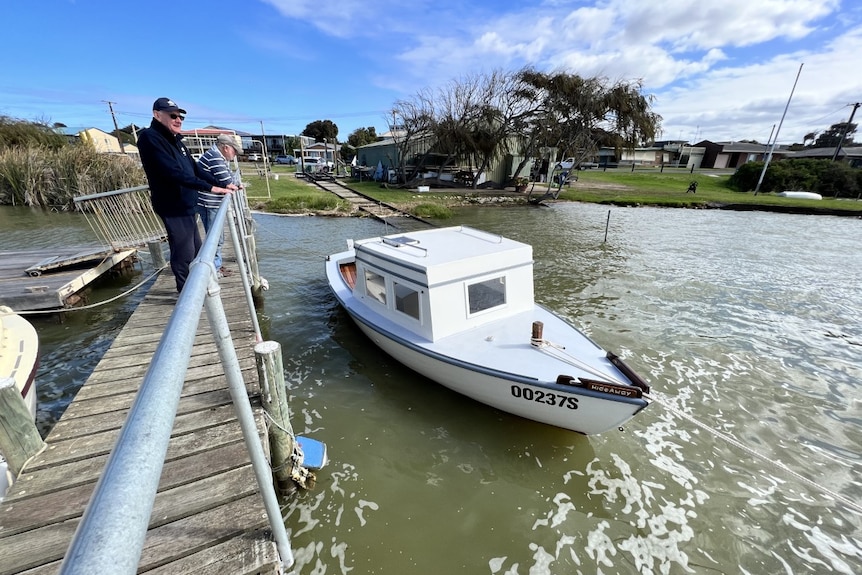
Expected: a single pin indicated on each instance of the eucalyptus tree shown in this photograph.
(578, 115)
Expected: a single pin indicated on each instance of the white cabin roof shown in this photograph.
(446, 254)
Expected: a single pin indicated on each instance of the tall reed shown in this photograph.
(36, 175)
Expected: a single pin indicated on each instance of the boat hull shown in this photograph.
(19, 360)
(545, 402)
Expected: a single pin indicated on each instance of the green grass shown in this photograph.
(652, 187)
(645, 186)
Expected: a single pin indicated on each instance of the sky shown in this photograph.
(720, 71)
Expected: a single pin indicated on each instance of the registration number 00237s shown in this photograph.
(546, 397)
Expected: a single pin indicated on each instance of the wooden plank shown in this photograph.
(94, 445)
(39, 510)
(171, 505)
(197, 367)
(33, 548)
(245, 555)
(79, 472)
(201, 407)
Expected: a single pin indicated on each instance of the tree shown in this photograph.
(831, 137)
(483, 117)
(321, 130)
(578, 115)
(412, 121)
(362, 136)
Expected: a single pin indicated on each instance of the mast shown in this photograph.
(772, 147)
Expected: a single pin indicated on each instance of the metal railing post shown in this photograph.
(243, 270)
(245, 415)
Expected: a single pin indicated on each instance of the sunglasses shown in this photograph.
(177, 116)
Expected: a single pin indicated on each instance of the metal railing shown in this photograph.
(112, 531)
(123, 218)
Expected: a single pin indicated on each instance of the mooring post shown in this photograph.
(19, 437)
(270, 373)
(156, 254)
(607, 224)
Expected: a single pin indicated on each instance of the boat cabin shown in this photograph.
(444, 281)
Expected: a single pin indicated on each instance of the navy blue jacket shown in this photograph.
(171, 171)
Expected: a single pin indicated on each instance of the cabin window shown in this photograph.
(375, 286)
(406, 300)
(487, 294)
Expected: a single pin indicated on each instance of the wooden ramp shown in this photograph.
(53, 279)
(208, 516)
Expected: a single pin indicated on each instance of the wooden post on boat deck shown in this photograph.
(19, 437)
(270, 372)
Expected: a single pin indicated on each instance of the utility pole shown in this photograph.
(844, 131)
(116, 128)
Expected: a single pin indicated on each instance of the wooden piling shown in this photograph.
(19, 437)
(156, 254)
(270, 371)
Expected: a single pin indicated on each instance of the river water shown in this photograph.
(747, 325)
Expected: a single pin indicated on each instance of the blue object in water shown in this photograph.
(314, 452)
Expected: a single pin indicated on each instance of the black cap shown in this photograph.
(166, 105)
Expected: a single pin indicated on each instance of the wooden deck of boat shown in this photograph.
(52, 278)
(208, 515)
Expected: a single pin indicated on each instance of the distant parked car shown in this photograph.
(290, 160)
(566, 164)
(569, 163)
(254, 157)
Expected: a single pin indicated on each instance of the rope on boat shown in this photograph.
(655, 396)
(558, 351)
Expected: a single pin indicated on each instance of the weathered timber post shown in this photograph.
(156, 254)
(284, 451)
(252, 263)
(19, 437)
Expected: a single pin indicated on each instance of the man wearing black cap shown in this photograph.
(174, 183)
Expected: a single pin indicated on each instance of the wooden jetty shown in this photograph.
(359, 201)
(208, 515)
(53, 279)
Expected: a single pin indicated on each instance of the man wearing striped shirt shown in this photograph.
(214, 162)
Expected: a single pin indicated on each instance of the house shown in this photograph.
(102, 142)
(676, 153)
(322, 151)
(734, 154)
(851, 155)
(388, 153)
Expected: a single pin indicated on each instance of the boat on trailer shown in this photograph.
(19, 360)
(456, 304)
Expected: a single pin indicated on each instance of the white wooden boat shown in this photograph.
(456, 305)
(19, 360)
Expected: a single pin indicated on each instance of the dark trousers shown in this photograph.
(184, 241)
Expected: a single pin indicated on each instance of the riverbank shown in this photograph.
(645, 187)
